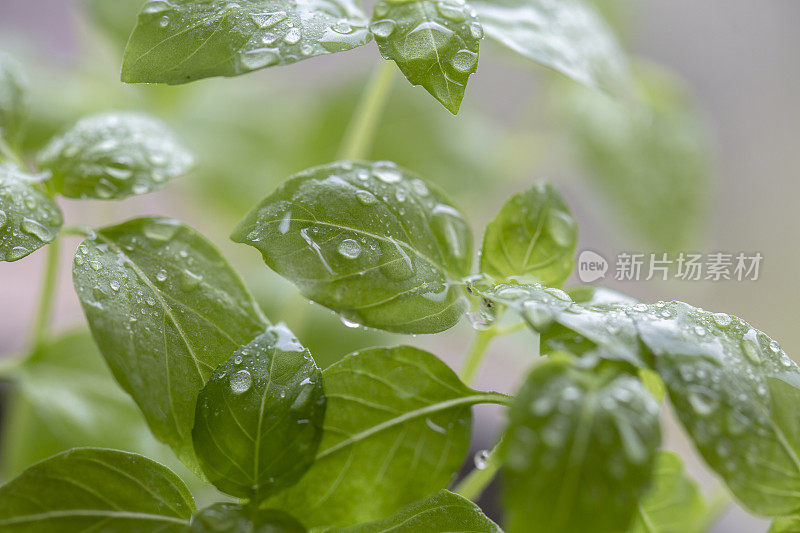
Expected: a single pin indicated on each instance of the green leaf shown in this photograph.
(29, 219)
(674, 503)
(165, 310)
(533, 235)
(64, 396)
(259, 418)
(443, 512)
(371, 241)
(736, 393)
(604, 330)
(114, 155)
(397, 428)
(579, 449)
(785, 524)
(649, 159)
(95, 488)
(13, 99)
(435, 44)
(185, 40)
(568, 36)
(232, 518)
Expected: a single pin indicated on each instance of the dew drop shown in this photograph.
(292, 36)
(241, 381)
(464, 61)
(451, 11)
(3, 219)
(366, 197)
(164, 22)
(260, 58)
(703, 400)
(349, 323)
(114, 284)
(751, 348)
(283, 227)
(350, 248)
(382, 29)
(723, 320)
(161, 275)
(481, 459)
(387, 172)
(561, 227)
(36, 229)
(476, 30)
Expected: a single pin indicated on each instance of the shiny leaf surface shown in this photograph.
(232, 518)
(99, 489)
(165, 310)
(29, 219)
(371, 241)
(178, 41)
(259, 418)
(114, 155)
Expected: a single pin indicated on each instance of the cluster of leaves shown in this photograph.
(434, 42)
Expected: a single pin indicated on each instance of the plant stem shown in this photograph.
(361, 131)
(47, 299)
(472, 486)
(475, 355)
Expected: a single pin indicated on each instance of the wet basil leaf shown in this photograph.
(443, 512)
(566, 35)
(259, 418)
(94, 488)
(397, 428)
(785, 524)
(603, 330)
(13, 99)
(165, 310)
(29, 219)
(673, 504)
(232, 518)
(371, 241)
(736, 392)
(579, 449)
(434, 43)
(533, 235)
(114, 155)
(179, 41)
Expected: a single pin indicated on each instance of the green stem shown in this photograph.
(472, 486)
(47, 298)
(475, 355)
(360, 132)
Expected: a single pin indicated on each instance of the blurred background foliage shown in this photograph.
(638, 172)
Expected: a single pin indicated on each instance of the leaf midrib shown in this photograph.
(88, 513)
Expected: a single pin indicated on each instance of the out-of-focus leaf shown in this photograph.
(371, 241)
(95, 488)
(444, 512)
(579, 449)
(114, 155)
(185, 40)
(673, 504)
(650, 159)
(435, 44)
(116, 18)
(259, 418)
(397, 429)
(232, 518)
(165, 309)
(785, 524)
(566, 35)
(29, 218)
(736, 393)
(533, 235)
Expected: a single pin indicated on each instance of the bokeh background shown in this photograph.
(705, 159)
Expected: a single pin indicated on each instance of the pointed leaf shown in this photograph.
(369, 240)
(13, 100)
(443, 512)
(568, 36)
(185, 40)
(232, 518)
(29, 219)
(579, 449)
(165, 310)
(114, 155)
(435, 44)
(397, 428)
(673, 504)
(259, 418)
(736, 393)
(92, 489)
(533, 235)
